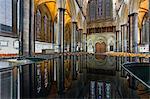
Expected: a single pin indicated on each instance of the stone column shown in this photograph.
(26, 40)
(28, 28)
(135, 35)
(73, 49)
(125, 41)
(118, 49)
(80, 31)
(60, 61)
(133, 31)
(86, 42)
(31, 30)
(148, 33)
(149, 26)
(81, 38)
(123, 44)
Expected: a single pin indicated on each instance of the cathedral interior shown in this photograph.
(97, 49)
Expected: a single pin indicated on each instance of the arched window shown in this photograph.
(108, 8)
(100, 8)
(92, 10)
(51, 31)
(38, 25)
(46, 28)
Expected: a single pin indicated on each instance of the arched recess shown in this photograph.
(100, 47)
(44, 32)
(55, 29)
(72, 7)
(133, 6)
(52, 6)
(111, 43)
(67, 36)
(142, 11)
(144, 33)
(143, 21)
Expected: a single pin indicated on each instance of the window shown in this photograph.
(51, 29)
(108, 8)
(38, 24)
(46, 27)
(100, 8)
(6, 15)
(92, 10)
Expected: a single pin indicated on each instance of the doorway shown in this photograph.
(100, 48)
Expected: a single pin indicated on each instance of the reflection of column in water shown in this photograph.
(108, 90)
(46, 75)
(77, 66)
(100, 88)
(38, 78)
(92, 89)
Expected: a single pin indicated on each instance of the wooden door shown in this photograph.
(100, 48)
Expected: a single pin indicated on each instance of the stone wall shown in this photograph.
(107, 38)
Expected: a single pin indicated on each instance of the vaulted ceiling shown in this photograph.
(143, 9)
(52, 6)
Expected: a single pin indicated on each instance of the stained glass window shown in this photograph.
(38, 24)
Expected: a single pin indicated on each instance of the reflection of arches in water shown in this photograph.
(100, 48)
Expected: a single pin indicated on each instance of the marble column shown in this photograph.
(60, 61)
(73, 49)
